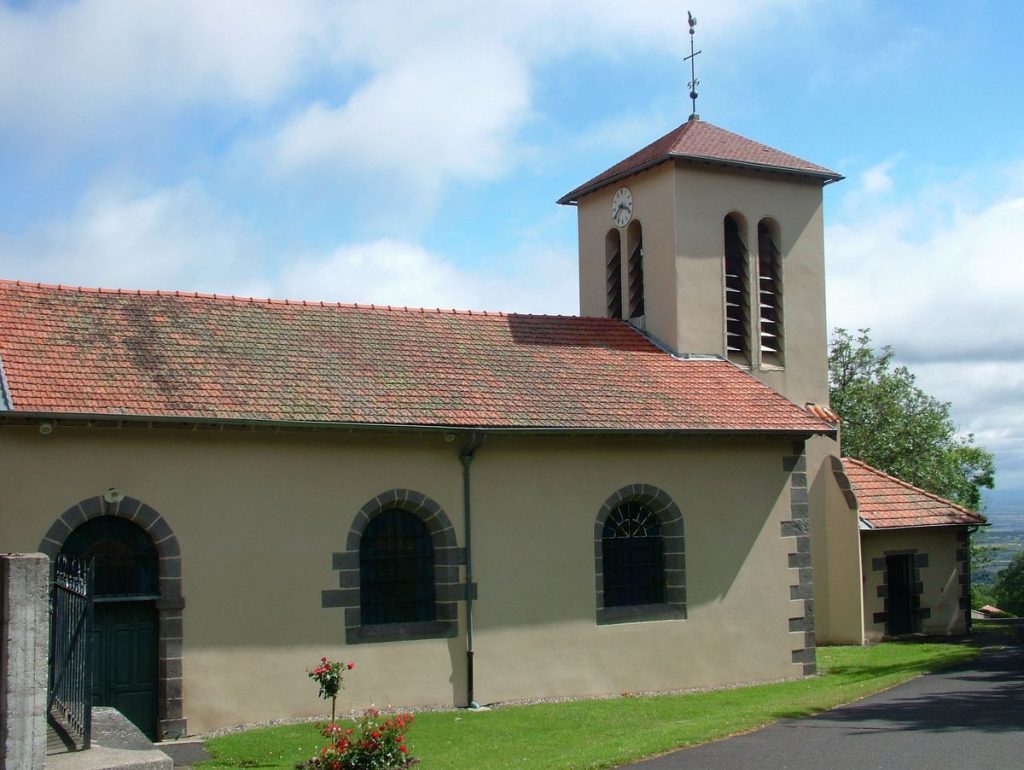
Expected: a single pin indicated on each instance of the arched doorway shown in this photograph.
(132, 586)
(125, 624)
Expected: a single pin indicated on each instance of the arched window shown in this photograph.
(639, 557)
(635, 272)
(396, 569)
(126, 561)
(634, 557)
(399, 573)
(769, 281)
(613, 280)
(737, 293)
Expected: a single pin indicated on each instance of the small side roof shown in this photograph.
(886, 502)
(102, 353)
(697, 140)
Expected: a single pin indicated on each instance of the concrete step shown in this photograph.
(117, 744)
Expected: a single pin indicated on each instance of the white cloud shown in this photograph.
(179, 238)
(937, 275)
(877, 179)
(439, 114)
(173, 238)
(67, 69)
(391, 272)
(987, 401)
(934, 281)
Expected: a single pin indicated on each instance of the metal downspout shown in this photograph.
(466, 456)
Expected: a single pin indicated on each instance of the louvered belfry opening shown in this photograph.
(636, 270)
(613, 278)
(769, 281)
(737, 294)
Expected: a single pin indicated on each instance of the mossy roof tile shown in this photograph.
(70, 351)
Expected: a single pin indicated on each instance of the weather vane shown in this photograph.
(693, 72)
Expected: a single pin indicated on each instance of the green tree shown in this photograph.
(890, 423)
(1008, 590)
(982, 581)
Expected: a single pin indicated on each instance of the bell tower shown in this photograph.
(712, 244)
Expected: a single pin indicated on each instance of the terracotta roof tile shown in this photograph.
(886, 502)
(700, 141)
(71, 351)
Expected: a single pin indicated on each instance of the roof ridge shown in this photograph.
(274, 301)
(908, 485)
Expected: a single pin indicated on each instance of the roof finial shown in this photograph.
(693, 74)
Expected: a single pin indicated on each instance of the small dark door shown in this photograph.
(900, 579)
(125, 661)
(125, 623)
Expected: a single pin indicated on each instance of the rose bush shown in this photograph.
(375, 742)
(329, 676)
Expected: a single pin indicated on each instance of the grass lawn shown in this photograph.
(606, 733)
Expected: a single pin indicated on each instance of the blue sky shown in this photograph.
(411, 153)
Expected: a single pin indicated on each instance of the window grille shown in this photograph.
(396, 570)
(125, 558)
(633, 555)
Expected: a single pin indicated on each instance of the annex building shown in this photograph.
(476, 507)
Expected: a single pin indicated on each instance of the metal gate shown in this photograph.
(69, 706)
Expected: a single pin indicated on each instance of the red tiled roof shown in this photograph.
(68, 351)
(886, 502)
(700, 141)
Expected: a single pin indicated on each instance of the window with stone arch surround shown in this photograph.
(448, 556)
(623, 505)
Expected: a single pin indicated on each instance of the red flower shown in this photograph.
(351, 666)
(403, 749)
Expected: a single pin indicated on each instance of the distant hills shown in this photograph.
(1004, 509)
(1005, 512)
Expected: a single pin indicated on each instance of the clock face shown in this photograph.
(622, 206)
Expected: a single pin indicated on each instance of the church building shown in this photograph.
(473, 507)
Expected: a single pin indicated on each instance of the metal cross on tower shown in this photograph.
(693, 73)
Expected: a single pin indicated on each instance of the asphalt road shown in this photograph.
(971, 716)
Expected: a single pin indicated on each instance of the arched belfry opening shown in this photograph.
(769, 283)
(736, 265)
(613, 276)
(635, 270)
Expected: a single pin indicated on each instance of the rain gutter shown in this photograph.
(466, 456)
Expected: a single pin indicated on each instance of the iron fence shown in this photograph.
(69, 705)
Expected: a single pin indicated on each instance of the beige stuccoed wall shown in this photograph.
(654, 208)
(704, 198)
(258, 516)
(835, 538)
(940, 579)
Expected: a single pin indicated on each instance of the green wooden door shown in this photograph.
(125, 660)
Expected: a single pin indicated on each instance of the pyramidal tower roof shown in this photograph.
(702, 142)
